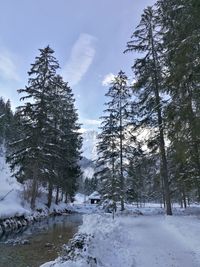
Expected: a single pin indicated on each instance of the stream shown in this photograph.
(42, 241)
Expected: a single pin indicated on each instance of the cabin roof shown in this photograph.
(95, 195)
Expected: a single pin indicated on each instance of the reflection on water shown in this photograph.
(45, 240)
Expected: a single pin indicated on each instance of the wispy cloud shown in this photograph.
(81, 58)
(108, 79)
(8, 67)
(82, 130)
(91, 122)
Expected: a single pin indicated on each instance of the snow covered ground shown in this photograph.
(130, 240)
(11, 204)
(137, 241)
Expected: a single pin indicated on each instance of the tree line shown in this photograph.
(150, 133)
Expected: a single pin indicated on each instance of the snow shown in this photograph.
(95, 195)
(11, 204)
(130, 240)
(7, 183)
(89, 153)
(141, 241)
(152, 237)
(81, 205)
(186, 230)
(84, 208)
(1, 116)
(88, 172)
(90, 144)
(80, 198)
(87, 168)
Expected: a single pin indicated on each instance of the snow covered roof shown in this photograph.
(95, 195)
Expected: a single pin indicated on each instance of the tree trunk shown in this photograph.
(162, 187)
(50, 195)
(181, 202)
(34, 188)
(66, 197)
(121, 160)
(33, 194)
(113, 181)
(188, 201)
(57, 195)
(164, 168)
(184, 200)
(62, 195)
(195, 145)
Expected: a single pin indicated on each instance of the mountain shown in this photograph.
(87, 167)
(89, 145)
(89, 154)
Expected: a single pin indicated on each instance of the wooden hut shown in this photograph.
(95, 197)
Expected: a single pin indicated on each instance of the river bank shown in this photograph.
(18, 222)
(39, 242)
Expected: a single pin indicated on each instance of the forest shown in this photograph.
(100, 133)
(148, 142)
(150, 132)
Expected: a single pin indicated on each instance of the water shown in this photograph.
(45, 240)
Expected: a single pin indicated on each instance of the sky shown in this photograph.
(88, 37)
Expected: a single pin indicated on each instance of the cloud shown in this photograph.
(8, 68)
(81, 58)
(108, 79)
(92, 122)
(82, 130)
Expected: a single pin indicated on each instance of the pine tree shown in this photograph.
(49, 146)
(113, 145)
(70, 142)
(53, 135)
(180, 23)
(148, 72)
(29, 155)
(106, 166)
(135, 179)
(7, 122)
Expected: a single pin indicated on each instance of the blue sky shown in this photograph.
(88, 36)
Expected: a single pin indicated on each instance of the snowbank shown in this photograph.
(11, 204)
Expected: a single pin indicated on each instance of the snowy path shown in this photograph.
(143, 241)
(155, 243)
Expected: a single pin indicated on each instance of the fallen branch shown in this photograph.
(1, 199)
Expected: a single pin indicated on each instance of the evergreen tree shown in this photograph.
(135, 179)
(106, 166)
(180, 23)
(7, 122)
(29, 157)
(90, 185)
(71, 142)
(113, 146)
(148, 71)
(49, 147)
